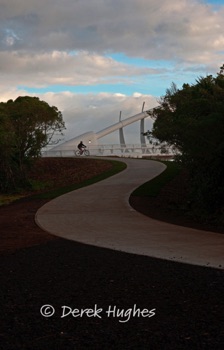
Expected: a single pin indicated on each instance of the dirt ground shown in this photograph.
(17, 220)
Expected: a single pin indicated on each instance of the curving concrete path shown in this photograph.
(100, 215)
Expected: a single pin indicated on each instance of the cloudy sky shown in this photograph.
(95, 58)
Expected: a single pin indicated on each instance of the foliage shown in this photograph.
(26, 126)
(192, 120)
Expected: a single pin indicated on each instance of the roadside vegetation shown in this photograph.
(191, 119)
(26, 126)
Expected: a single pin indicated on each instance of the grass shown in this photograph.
(117, 167)
(153, 187)
(8, 198)
(38, 185)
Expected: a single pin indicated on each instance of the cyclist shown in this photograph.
(81, 146)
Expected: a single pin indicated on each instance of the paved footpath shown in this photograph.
(100, 215)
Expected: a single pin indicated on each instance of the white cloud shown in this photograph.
(157, 29)
(61, 68)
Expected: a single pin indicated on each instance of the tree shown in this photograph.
(192, 120)
(7, 175)
(33, 124)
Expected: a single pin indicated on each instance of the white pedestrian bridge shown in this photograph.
(90, 139)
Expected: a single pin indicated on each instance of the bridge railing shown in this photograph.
(135, 150)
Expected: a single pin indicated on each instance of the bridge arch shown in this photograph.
(92, 138)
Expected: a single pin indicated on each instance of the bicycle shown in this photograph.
(83, 152)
